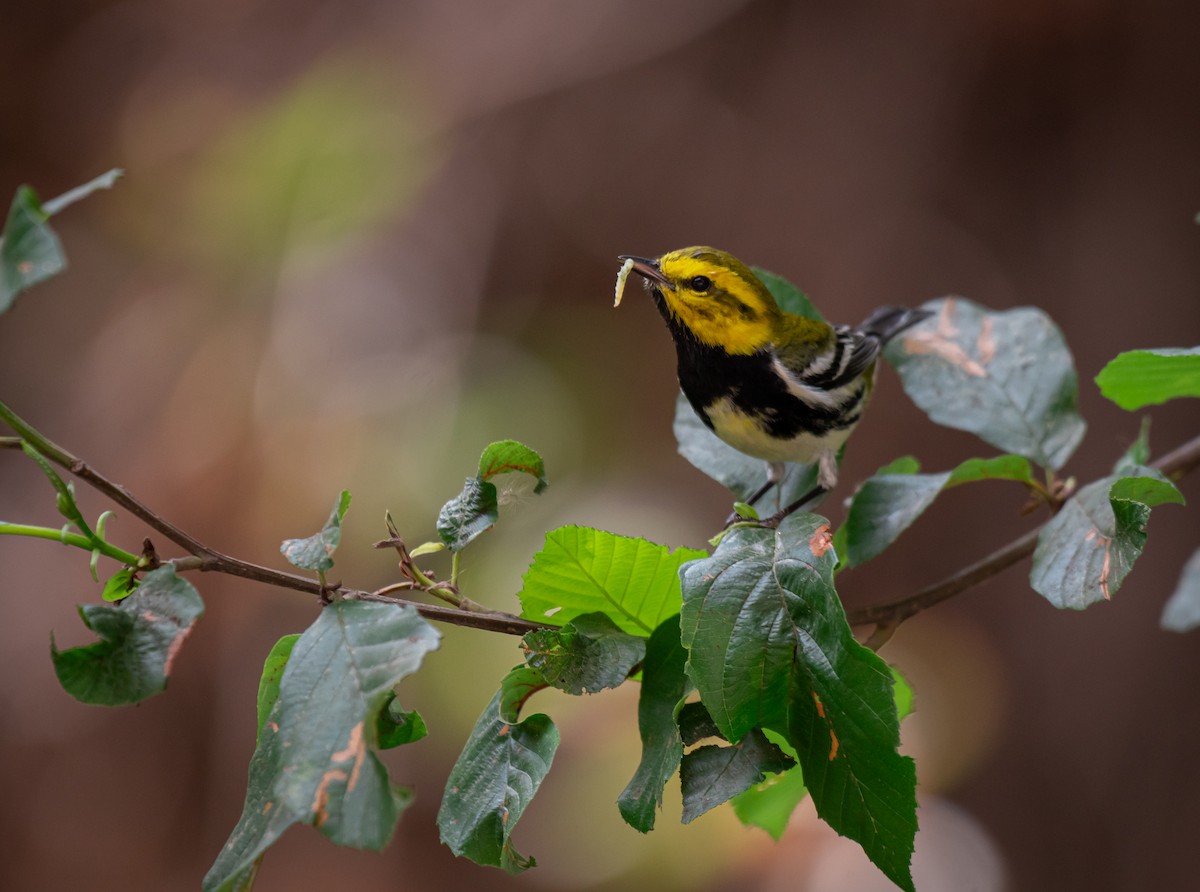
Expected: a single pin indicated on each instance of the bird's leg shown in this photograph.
(775, 472)
(774, 520)
(827, 473)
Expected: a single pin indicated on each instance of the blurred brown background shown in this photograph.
(359, 240)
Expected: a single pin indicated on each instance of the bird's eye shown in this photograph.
(700, 283)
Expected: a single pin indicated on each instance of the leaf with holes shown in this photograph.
(139, 639)
(500, 769)
(316, 760)
(1086, 550)
(769, 648)
(587, 655)
(316, 551)
(1006, 377)
(506, 456)
(581, 570)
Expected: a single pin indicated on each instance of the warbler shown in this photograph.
(771, 384)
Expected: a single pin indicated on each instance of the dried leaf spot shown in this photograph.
(267, 808)
(985, 345)
(355, 749)
(320, 801)
(940, 343)
(820, 705)
(932, 344)
(833, 740)
(1106, 564)
(173, 650)
(821, 540)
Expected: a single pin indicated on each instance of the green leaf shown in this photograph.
(769, 805)
(735, 470)
(316, 762)
(1000, 467)
(1006, 377)
(581, 570)
(272, 673)
(139, 639)
(664, 685)
(769, 647)
(1086, 550)
(469, 514)
(1182, 611)
(790, 298)
(888, 504)
(500, 769)
(398, 726)
(119, 585)
(1148, 377)
(30, 251)
(712, 775)
(587, 655)
(316, 551)
(508, 455)
(1151, 487)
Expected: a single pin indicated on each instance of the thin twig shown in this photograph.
(1175, 464)
(208, 560)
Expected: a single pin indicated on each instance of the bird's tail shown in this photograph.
(887, 322)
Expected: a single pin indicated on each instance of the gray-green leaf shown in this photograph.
(316, 759)
(139, 639)
(499, 771)
(1182, 611)
(1006, 377)
(316, 551)
(469, 514)
(1086, 550)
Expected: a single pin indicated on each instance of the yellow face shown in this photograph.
(719, 299)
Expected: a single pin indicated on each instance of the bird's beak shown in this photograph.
(647, 269)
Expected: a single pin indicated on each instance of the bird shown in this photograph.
(773, 385)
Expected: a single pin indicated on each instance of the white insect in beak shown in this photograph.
(622, 275)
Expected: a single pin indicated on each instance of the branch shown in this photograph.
(206, 559)
(1175, 464)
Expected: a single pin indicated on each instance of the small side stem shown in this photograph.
(75, 540)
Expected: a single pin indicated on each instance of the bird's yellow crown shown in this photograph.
(719, 300)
